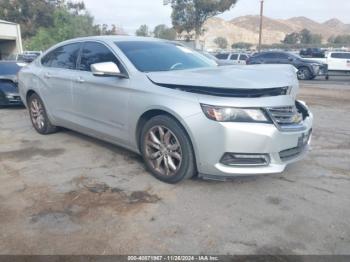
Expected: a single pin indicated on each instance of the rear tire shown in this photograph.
(38, 116)
(304, 73)
(167, 150)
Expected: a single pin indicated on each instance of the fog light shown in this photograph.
(233, 159)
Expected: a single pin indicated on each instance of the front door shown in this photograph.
(101, 102)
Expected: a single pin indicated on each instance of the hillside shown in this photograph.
(246, 29)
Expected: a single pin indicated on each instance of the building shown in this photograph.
(10, 39)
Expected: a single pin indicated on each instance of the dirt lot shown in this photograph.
(71, 194)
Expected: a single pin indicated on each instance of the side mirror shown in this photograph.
(291, 59)
(106, 69)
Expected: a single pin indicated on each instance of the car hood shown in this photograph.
(230, 77)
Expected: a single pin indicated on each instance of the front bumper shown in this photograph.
(10, 99)
(211, 140)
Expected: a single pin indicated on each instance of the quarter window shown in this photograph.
(62, 57)
(96, 53)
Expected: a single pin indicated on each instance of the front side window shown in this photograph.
(149, 56)
(282, 56)
(94, 53)
(62, 57)
(243, 58)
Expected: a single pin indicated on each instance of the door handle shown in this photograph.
(80, 80)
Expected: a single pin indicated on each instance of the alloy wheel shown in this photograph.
(37, 113)
(163, 150)
(302, 73)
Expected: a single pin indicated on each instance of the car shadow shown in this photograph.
(107, 145)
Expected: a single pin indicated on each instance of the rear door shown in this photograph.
(339, 61)
(282, 58)
(222, 56)
(234, 58)
(58, 70)
(242, 59)
(101, 102)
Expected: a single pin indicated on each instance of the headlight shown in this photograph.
(316, 66)
(232, 114)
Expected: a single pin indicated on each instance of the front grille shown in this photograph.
(287, 117)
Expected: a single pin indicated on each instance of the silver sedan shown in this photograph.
(185, 115)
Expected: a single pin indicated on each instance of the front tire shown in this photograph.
(167, 150)
(304, 73)
(39, 117)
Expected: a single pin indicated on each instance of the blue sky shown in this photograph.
(129, 14)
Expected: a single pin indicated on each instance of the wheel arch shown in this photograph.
(147, 115)
(29, 93)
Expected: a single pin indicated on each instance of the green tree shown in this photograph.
(190, 15)
(306, 37)
(164, 32)
(241, 45)
(143, 30)
(342, 40)
(66, 25)
(221, 42)
(29, 14)
(105, 29)
(292, 38)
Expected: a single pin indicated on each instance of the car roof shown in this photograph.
(118, 38)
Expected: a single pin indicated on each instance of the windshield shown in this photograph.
(9, 68)
(149, 56)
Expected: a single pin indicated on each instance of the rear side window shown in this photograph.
(96, 53)
(62, 57)
(341, 55)
(234, 57)
(269, 56)
(243, 57)
(222, 56)
(281, 56)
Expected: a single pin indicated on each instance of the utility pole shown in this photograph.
(261, 23)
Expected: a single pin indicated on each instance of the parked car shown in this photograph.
(312, 52)
(9, 95)
(214, 58)
(338, 63)
(307, 69)
(175, 107)
(235, 58)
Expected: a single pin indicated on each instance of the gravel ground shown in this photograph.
(70, 194)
